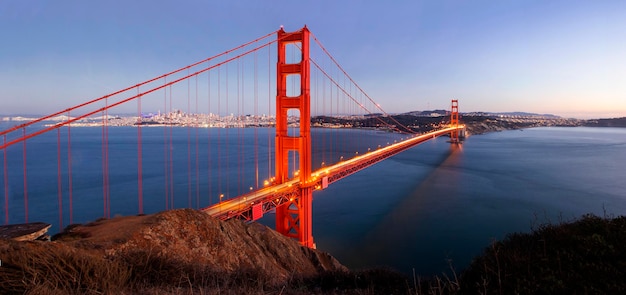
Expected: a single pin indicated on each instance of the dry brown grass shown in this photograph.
(50, 268)
(55, 268)
(584, 256)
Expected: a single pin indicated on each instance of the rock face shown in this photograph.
(25, 232)
(191, 236)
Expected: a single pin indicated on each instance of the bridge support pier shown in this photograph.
(293, 219)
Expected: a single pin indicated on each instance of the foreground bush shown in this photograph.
(587, 256)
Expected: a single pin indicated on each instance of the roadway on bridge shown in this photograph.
(319, 179)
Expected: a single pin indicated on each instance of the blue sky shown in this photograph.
(561, 57)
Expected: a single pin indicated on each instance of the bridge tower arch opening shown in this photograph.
(294, 218)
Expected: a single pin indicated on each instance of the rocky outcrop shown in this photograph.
(193, 237)
(25, 231)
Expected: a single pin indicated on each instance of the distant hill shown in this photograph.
(525, 114)
(437, 113)
(433, 113)
(425, 121)
(615, 122)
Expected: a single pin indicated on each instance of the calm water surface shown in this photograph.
(437, 205)
(425, 209)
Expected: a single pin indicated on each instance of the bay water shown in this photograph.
(428, 209)
(433, 208)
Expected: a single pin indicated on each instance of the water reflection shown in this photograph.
(402, 228)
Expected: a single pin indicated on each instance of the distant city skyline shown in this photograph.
(566, 58)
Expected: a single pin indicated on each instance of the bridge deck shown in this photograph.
(252, 205)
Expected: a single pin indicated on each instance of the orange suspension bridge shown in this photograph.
(251, 130)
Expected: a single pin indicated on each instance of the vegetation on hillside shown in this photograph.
(614, 122)
(586, 256)
(56, 268)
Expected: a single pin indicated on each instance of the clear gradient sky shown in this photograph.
(561, 57)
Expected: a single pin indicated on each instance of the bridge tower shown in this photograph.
(454, 121)
(293, 219)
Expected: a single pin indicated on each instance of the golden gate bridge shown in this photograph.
(274, 82)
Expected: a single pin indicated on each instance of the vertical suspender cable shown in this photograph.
(25, 178)
(171, 154)
(69, 170)
(165, 148)
(239, 136)
(345, 111)
(209, 156)
(59, 179)
(197, 113)
(324, 134)
(325, 150)
(241, 114)
(256, 127)
(331, 156)
(6, 182)
(219, 134)
(227, 138)
(187, 118)
(104, 162)
(106, 144)
(139, 156)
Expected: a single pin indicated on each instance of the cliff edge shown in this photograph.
(191, 236)
(151, 254)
